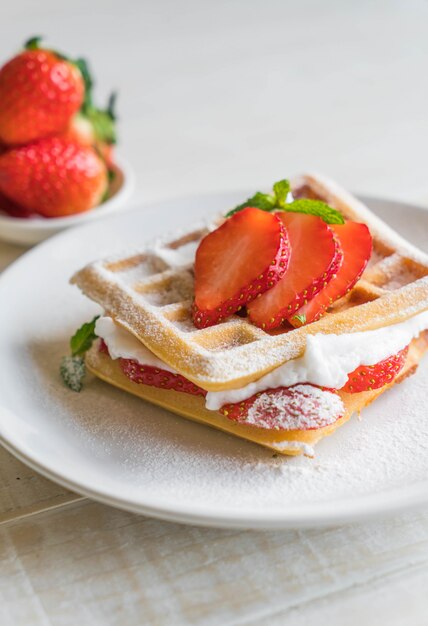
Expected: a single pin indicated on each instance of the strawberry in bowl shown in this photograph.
(57, 157)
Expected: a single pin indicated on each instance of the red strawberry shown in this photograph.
(302, 407)
(315, 258)
(39, 93)
(12, 209)
(368, 377)
(102, 347)
(356, 244)
(95, 127)
(245, 256)
(107, 151)
(155, 377)
(80, 130)
(53, 177)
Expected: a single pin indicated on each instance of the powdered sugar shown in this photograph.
(117, 444)
(179, 258)
(299, 446)
(300, 408)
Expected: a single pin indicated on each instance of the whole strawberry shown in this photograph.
(53, 177)
(40, 91)
(94, 126)
(12, 209)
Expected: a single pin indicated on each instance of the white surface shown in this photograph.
(221, 95)
(35, 229)
(111, 446)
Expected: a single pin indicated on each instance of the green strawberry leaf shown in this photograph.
(102, 120)
(316, 207)
(103, 123)
(83, 338)
(73, 372)
(33, 43)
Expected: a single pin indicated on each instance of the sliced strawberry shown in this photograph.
(315, 258)
(102, 347)
(302, 407)
(155, 377)
(245, 256)
(369, 377)
(356, 243)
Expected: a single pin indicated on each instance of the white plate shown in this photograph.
(35, 229)
(117, 449)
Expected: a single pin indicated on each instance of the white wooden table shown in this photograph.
(213, 96)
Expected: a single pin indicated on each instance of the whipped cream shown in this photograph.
(122, 344)
(327, 360)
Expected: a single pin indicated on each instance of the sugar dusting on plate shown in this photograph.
(160, 455)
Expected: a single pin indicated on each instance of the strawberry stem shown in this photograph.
(83, 66)
(102, 120)
(33, 43)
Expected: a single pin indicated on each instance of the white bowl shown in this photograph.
(28, 231)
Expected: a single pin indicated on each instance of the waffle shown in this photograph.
(151, 298)
(150, 295)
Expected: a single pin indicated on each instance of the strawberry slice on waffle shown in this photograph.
(369, 377)
(301, 407)
(156, 377)
(245, 256)
(315, 258)
(356, 244)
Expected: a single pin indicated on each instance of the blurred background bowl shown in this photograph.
(29, 231)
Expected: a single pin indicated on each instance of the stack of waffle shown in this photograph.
(150, 295)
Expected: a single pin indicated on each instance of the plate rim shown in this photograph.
(345, 510)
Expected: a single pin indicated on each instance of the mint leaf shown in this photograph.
(266, 201)
(73, 372)
(260, 200)
(83, 338)
(72, 368)
(281, 189)
(315, 207)
(278, 202)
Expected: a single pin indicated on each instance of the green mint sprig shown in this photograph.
(72, 368)
(266, 201)
(83, 338)
(277, 201)
(316, 207)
